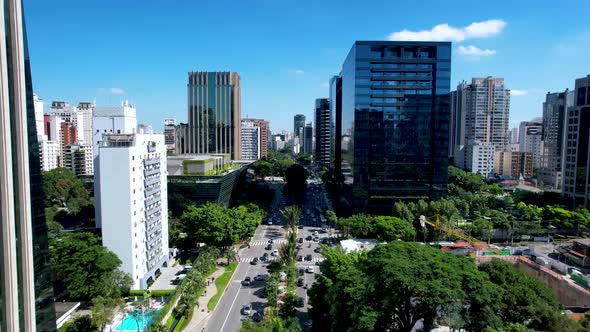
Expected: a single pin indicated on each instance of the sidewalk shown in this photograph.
(201, 314)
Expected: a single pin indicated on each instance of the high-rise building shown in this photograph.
(485, 107)
(298, 124)
(144, 129)
(214, 113)
(457, 124)
(323, 132)
(78, 158)
(264, 134)
(26, 294)
(554, 113)
(395, 121)
(170, 135)
(38, 116)
(482, 158)
(250, 140)
(530, 139)
(181, 138)
(48, 155)
(336, 111)
(514, 164)
(133, 202)
(576, 148)
(109, 120)
(70, 115)
(513, 139)
(307, 138)
(86, 109)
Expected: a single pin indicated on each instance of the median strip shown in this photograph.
(221, 284)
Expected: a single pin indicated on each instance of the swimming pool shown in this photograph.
(129, 323)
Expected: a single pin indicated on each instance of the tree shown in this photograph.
(304, 159)
(103, 309)
(81, 324)
(289, 305)
(296, 177)
(393, 286)
(331, 217)
(64, 190)
(391, 229)
(263, 169)
(88, 268)
(292, 214)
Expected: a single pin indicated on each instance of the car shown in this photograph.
(254, 261)
(271, 241)
(308, 258)
(275, 252)
(318, 249)
(247, 281)
(300, 258)
(259, 277)
(300, 240)
(300, 282)
(301, 271)
(309, 238)
(300, 302)
(246, 309)
(269, 223)
(316, 239)
(310, 269)
(324, 230)
(257, 317)
(300, 226)
(268, 247)
(315, 233)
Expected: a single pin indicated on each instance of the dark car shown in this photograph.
(308, 258)
(300, 240)
(302, 271)
(254, 261)
(271, 241)
(300, 302)
(300, 282)
(247, 281)
(268, 247)
(257, 317)
(300, 226)
(318, 249)
(309, 237)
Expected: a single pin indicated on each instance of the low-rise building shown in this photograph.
(351, 245)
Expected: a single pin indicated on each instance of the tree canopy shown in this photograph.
(64, 190)
(396, 285)
(379, 227)
(88, 269)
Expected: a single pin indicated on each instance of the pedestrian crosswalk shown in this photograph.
(272, 258)
(265, 242)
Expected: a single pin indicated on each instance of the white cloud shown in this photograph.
(445, 32)
(474, 51)
(116, 91)
(325, 85)
(515, 92)
(296, 71)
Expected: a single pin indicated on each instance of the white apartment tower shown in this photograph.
(482, 158)
(133, 202)
(109, 120)
(250, 140)
(480, 112)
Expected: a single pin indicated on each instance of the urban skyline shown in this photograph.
(299, 74)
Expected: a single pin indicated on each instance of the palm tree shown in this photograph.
(287, 252)
(291, 214)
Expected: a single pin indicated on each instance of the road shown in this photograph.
(228, 314)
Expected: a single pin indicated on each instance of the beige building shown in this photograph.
(514, 164)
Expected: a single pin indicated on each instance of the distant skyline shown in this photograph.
(285, 52)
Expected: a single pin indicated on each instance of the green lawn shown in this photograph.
(221, 283)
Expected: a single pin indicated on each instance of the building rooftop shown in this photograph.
(358, 244)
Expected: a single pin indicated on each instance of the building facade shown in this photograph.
(250, 140)
(395, 121)
(264, 135)
(457, 125)
(298, 124)
(48, 155)
(214, 113)
(484, 106)
(554, 113)
(170, 135)
(26, 294)
(134, 202)
(514, 164)
(336, 113)
(482, 158)
(530, 140)
(307, 138)
(323, 132)
(79, 159)
(576, 148)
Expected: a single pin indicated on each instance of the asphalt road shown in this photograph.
(228, 314)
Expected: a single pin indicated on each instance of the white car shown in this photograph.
(275, 252)
(315, 233)
(246, 309)
(310, 269)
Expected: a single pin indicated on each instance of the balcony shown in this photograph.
(151, 181)
(152, 201)
(148, 172)
(152, 191)
(150, 212)
(153, 161)
(153, 220)
(150, 232)
(153, 241)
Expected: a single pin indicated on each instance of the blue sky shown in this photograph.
(286, 51)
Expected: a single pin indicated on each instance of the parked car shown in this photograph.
(301, 271)
(316, 239)
(318, 249)
(247, 309)
(300, 302)
(300, 282)
(275, 252)
(310, 269)
(259, 277)
(309, 238)
(247, 281)
(257, 317)
(254, 261)
(315, 233)
(308, 258)
(268, 247)
(300, 240)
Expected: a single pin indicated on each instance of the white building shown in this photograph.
(85, 135)
(530, 140)
(481, 157)
(109, 120)
(351, 245)
(38, 106)
(78, 158)
(133, 202)
(49, 154)
(250, 140)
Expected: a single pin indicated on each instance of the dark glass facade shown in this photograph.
(395, 121)
(298, 124)
(323, 132)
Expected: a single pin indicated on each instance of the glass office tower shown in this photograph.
(395, 118)
(26, 293)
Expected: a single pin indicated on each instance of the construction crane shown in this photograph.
(438, 226)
